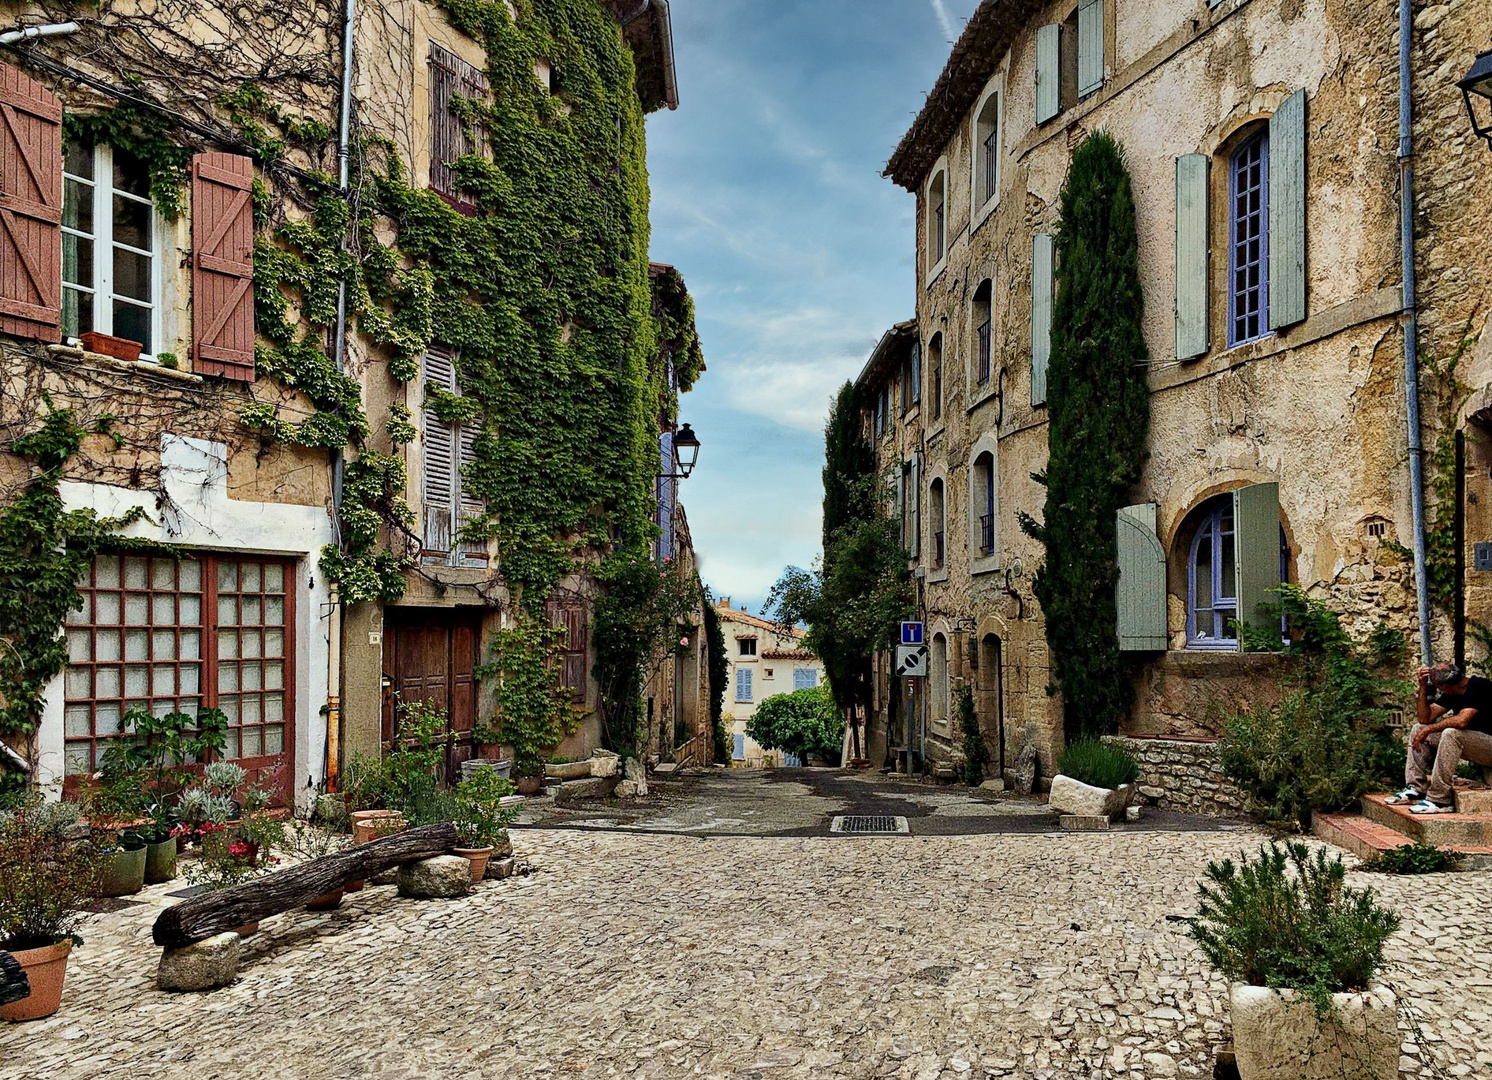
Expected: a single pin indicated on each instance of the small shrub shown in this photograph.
(1417, 858)
(1098, 764)
(1287, 920)
(44, 878)
(480, 819)
(976, 750)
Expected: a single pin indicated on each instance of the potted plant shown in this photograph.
(305, 840)
(44, 881)
(200, 812)
(123, 870)
(483, 737)
(480, 819)
(1094, 779)
(1300, 949)
(223, 864)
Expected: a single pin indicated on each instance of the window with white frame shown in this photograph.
(746, 646)
(110, 245)
(805, 678)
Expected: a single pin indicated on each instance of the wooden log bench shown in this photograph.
(201, 917)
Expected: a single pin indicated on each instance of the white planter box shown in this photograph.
(1276, 1035)
(1075, 797)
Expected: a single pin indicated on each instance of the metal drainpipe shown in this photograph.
(1411, 326)
(12, 37)
(339, 349)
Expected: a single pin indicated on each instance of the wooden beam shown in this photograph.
(214, 913)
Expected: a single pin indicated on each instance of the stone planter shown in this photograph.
(529, 785)
(502, 766)
(1277, 1036)
(1084, 800)
(123, 873)
(45, 970)
(478, 858)
(327, 901)
(160, 861)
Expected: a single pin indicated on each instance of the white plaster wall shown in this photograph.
(197, 513)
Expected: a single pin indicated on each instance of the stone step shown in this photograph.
(1442, 830)
(1361, 836)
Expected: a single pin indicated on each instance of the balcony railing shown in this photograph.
(937, 551)
(986, 534)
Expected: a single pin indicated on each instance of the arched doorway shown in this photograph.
(991, 700)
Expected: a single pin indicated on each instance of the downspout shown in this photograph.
(339, 349)
(13, 37)
(1411, 327)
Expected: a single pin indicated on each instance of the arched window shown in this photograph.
(983, 330)
(935, 498)
(937, 677)
(987, 151)
(984, 502)
(937, 218)
(935, 374)
(1248, 240)
(1212, 587)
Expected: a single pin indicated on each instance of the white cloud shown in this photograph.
(943, 18)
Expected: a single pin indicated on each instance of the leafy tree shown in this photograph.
(1098, 419)
(719, 676)
(801, 723)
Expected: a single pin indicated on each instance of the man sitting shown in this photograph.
(1458, 725)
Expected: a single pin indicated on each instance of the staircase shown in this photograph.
(1381, 827)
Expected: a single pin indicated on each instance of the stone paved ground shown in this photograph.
(657, 956)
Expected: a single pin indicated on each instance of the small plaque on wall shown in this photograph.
(1482, 557)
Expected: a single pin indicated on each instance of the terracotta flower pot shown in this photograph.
(354, 886)
(124, 873)
(327, 901)
(478, 858)
(371, 824)
(45, 969)
(160, 861)
(117, 347)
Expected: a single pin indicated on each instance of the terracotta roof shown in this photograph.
(648, 30)
(887, 354)
(730, 614)
(788, 654)
(985, 39)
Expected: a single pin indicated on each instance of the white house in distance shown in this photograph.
(766, 659)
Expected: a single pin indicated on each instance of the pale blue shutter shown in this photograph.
(743, 684)
(1256, 529)
(1287, 212)
(1090, 46)
(914, 517)
(1048, 72)
(738, 748)
(1191, 256)
(805, 678)
(1141, 595)
(1041, 315)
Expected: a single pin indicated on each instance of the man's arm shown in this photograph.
(1426, 713)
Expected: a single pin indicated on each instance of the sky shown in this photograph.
(767, 195)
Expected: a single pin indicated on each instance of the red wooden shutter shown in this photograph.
(30, 208)
(222, 266)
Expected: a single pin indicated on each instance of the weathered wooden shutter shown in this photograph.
(1041, 314)
(1048, 72)
(439, 468)
(1256, 528)
(1191, 256)
(30, 208)
(1141, 595)
(1090, 46)
(914, 530)
(473, 552)
(570, 617)
(222, 266)
(1287, 212)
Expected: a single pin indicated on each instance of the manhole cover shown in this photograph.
(869, 825)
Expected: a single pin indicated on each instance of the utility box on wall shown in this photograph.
(1482, 556)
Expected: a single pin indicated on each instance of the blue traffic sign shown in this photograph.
(911, 633)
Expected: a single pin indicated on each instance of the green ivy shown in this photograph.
(150, 137)
(534, 709)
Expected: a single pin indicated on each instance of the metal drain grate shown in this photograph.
(866, 825)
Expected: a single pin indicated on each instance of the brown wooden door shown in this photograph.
(431, 656)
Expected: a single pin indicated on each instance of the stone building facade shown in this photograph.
(237, 613)
(1262, 141)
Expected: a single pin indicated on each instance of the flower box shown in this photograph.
(109, 345)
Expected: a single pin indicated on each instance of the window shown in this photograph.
(984, 330)
(452, 78)
(142, 640)
(914, 372)
(937, 218)
(110, 272)
(746, 646)
(984, 492)
(987, 151)
(738, 747)
(904, 382)
(1212, 598)
(766, 673)
(447, 449)
(743, 684)
(805, 678)
(935, 365)
(939, 523)
(1248, 241)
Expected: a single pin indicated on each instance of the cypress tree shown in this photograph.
(1098, 412)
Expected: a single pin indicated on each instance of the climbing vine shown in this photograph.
(148, 136)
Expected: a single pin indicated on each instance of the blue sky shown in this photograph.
(767, 196)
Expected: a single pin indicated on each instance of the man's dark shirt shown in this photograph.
(1477, 695)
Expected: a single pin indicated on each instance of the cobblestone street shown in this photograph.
(623, 954)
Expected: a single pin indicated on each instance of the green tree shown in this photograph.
(801, 723)
(1098, 419)
(719, 676)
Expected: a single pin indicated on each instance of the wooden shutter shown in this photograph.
(575, 653)
(1256, 528)
(473, 552)
(439, 465)
(914, 522)
(1041, 315)
(30, 208)
(1090, 46)
(1141, 595)
(1048, 72)
(1191, 256)
(1287, 212)
(222, 266)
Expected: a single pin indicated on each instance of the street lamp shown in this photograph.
(685, 450)
(1478, 84)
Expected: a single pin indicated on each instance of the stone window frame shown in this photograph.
(1252, 150)
(984, 496)
(937, 177)
(984, 202)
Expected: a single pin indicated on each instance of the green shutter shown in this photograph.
(1287, 212)
(1090, 46)
(1141, 595)
(1256, 532)
(1048, 72)
(1191, 256)
(1041, 315)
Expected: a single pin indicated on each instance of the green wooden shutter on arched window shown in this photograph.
(1191, 256)
(1256, 530)
(1287, 212)
(1141, 594)
(1048, 72)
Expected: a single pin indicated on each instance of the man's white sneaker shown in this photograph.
(1425, 806)
(1408, 795)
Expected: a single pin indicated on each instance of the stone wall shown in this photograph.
(1183, 775)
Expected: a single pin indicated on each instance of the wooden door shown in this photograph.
(431, 655)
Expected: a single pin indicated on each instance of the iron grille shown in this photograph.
(866, 824)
